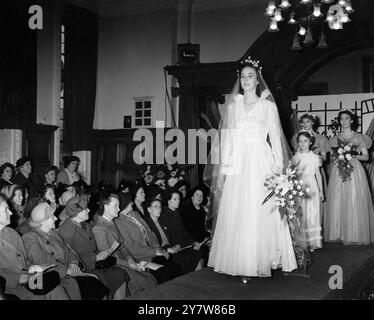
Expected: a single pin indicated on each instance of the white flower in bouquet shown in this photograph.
(307, 190)
(148, 179)
(183, 173)
(160, 182)
(173, 173)
(347, 148)
(301, 182)
(292, 203)
(294, 192)
(301, 193)
(348, 156)
(172, 181)
(340, 151)
(290, 196)
(341, 157)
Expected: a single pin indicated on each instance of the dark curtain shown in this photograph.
(81, 39)
(18, 66)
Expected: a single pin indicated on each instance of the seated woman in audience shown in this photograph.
(50, 175)
(69, 175)
(142, 243)
(187, 259)
(138, 195)
(14, 193)
(64, 198)
(153, 191)
(45, 247)
(183, 187)
(78, 234)
(30, 205)
(193, 216)
(14, 264)
(172, 221)
(48, 194)
(6, 173)
(106, 235)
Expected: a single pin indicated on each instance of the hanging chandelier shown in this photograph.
(309, 17)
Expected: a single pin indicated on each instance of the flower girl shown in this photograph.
(309, 163)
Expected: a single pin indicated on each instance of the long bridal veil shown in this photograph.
(223, 150)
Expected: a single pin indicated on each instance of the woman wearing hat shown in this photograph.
(106, 234)
(142, 243)
(24, 176)
(194, 215)
(45, 247)
(78, 234)
(14, 263)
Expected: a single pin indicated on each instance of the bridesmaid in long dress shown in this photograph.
(320, 147)
(350, 213)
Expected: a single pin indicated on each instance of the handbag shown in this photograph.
(106, 263)
(50, 280)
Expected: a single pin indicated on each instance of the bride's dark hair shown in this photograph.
(250, 65)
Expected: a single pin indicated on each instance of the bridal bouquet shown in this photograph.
(288, 190)
(342, 155)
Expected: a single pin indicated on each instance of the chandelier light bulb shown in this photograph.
(327, 1)
(348, 7)
(342, 2)
(345, 18)
(305, 1)
(317, 10)
(329, 18)
(337, 25)
(285, 4)
(302, 31)
(273, 26)
(278, 15)
(269, 12)
(292, 19)
(271, 5)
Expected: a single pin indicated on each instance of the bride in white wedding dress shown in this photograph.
(249, 239)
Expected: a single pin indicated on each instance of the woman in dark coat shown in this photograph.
(193, 215)
(188, 259)
(78, 234)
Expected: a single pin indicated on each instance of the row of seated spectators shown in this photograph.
(73, 241)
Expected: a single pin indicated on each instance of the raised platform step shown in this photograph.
(357, 263)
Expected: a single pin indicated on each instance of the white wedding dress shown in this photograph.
(250, 239)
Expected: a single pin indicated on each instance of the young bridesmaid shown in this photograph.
(321, 147)
(309, 163)
(350, 214)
